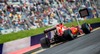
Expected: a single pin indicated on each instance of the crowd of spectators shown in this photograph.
(42, 13)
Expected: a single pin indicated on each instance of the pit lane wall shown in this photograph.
(15, 45)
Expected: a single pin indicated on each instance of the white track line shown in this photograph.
(38, 51)
(95, 29)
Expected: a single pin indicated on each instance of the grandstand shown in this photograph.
(17, 15)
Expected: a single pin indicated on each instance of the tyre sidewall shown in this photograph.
(45, 42)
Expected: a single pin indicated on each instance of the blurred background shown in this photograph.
(18, 15)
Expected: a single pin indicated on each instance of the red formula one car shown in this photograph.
(62, 33)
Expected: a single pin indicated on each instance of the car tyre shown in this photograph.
(68, 35)
(86, 28)
(45, 42)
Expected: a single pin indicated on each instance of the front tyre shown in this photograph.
(86, 28)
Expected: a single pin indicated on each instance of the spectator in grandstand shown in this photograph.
(41, 13)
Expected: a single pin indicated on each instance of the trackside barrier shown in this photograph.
(36, 39)
(1, 48)
(95, 25)
(27, 42)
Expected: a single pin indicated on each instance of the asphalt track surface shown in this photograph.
(88, 44)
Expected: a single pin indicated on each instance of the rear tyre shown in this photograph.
(86, 28)
(68, 35)
(45, 42)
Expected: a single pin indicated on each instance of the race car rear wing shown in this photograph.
(48, 30)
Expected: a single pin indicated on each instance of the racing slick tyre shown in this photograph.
(45, 42)
(68, 35)
(86, 28)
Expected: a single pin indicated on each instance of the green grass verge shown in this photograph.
(32, 32)
(90, 21)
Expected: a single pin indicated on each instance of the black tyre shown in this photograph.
(45, 42)
(86, 28)
(68, 35)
